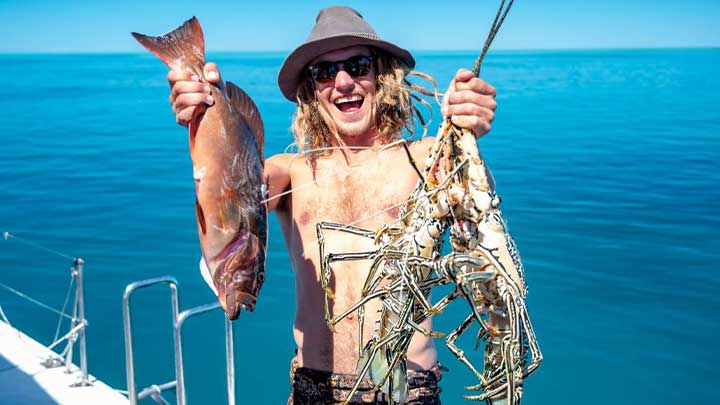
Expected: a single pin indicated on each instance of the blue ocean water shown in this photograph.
(606, 162)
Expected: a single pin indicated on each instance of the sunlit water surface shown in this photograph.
(606, 162)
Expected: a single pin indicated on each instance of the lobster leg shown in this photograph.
(394, 287)
(459, 353)
(325, 269)
(326, 273)
(375, 344)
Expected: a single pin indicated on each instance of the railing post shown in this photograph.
(230, 361)
(127, 325)
(179, 371)
(80, 297)
(179, 319)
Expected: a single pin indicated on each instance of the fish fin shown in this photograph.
(182, 48)
(246, 106)
(200, 217)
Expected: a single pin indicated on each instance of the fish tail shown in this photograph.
(180, 49)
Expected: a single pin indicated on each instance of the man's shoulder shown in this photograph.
(288, 165)
(423, 143)
(281, 158)
(420, 148)
(278, 177)
(282, 161)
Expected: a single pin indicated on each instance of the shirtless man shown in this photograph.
(340, 78)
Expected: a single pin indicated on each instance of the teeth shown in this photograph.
(348, 99)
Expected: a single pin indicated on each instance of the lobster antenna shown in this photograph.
(494, 28)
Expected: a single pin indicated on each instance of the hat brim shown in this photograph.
(291, 72)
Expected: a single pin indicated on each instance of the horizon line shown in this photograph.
(619, 48)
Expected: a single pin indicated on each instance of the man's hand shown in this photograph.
(470, 103)
(187, 91)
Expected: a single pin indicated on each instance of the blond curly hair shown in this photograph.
(393, 108)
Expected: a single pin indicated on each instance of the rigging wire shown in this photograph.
(67, 298)
(34, 301)
(8, 236)
(72, 334)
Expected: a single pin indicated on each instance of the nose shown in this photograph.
(343, 81)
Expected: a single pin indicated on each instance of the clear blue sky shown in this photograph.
(99, 26)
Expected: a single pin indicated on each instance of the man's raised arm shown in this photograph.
(187, 92)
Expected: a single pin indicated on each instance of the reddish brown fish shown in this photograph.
(226, 147)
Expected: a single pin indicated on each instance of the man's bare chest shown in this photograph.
(359, 195)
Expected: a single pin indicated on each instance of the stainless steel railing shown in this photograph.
(178, 320)
(127, 326)
(78, 322)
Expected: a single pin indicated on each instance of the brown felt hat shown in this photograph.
(335, 28)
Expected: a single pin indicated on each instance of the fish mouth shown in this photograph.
(240, 275)
(234, 301)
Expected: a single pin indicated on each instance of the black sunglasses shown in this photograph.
(357, 66)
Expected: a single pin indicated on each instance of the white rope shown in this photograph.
(68, 335)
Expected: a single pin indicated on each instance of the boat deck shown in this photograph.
(24, 380)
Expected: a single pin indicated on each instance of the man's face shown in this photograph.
(348, 99)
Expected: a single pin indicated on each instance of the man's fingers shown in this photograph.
(187, 91)
(470, 103)
(186, 100)
(476, 125)
(211, 72)
(463, 75)
(183, 87)
(477, 85)
(183, 117)
(180, 75)
(471, 109)
(462, 97)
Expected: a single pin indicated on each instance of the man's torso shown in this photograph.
(367, 192)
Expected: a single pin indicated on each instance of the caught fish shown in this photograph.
(226, 147)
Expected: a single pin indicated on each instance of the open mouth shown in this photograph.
(349, 104)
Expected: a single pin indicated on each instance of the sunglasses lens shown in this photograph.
(324, 72)
(357, 66)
